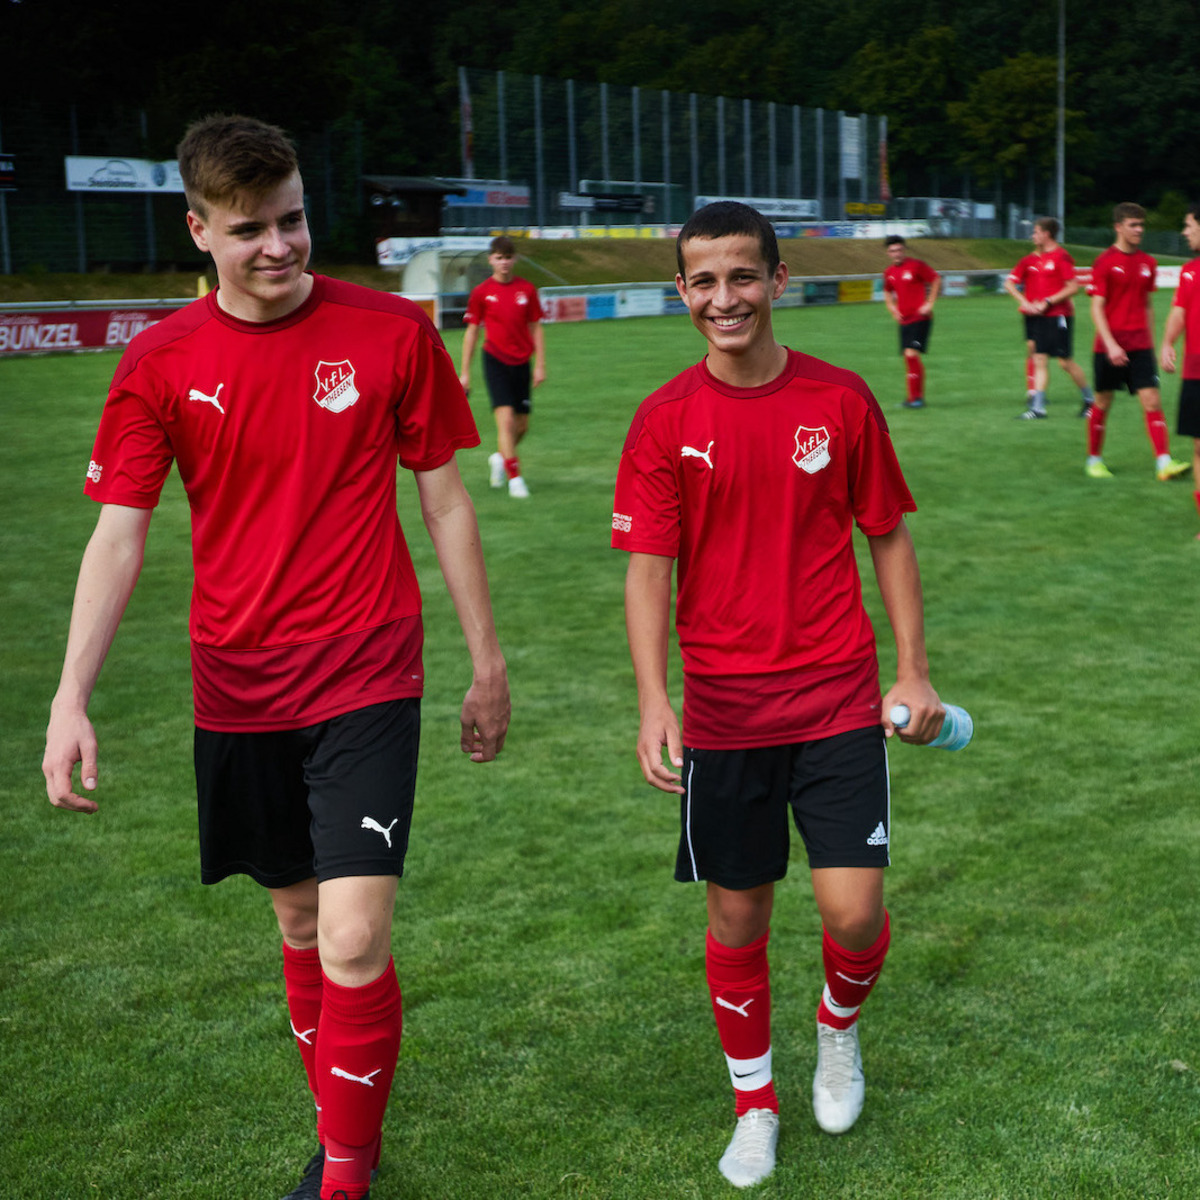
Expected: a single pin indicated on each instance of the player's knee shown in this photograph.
(354, 948)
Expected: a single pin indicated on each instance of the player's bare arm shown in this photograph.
(1116, 355)
(935, 290)
(470, 338)
(1022, 304)
(647, 622)
(899, 579)
(1171, 331)
(107, 576)
(453, 528)
(537, 331)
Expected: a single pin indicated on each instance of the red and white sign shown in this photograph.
(65, 329)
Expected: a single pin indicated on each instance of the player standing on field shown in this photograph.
(1122, 287)
(1042, 284)
(284, 399)
(1185, 318)
(910, 288)
(508, 309)
(748, 471)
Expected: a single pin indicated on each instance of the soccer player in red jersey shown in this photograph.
(910, 288)
(1042, 284)
(745, 474)
(509, 311)
(284, 399)
(1184, 318)
(1123, 281)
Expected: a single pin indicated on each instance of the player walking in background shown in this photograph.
(910, 288)
(1185, 318)
(1123, 282)
(1042, 284)
(508, 309)
(284, 399)
(781, 702)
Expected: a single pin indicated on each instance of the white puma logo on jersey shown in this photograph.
(740, 1009)
(692, 452)
(371, 823)
(306, 1036)
(197, 394)
(366, 1080)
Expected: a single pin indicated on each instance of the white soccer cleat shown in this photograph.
(838, 1085)
(518, 489)
(750, 1156)
(496, 470)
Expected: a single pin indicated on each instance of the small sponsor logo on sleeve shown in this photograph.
(622, 523)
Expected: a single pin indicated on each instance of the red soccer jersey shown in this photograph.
(1043, 275)
(909, 281)
(286, 435)
(1187, 297)
(755, 492)
(1126, 282)
(505, 310)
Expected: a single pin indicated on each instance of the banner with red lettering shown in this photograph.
(50, 330)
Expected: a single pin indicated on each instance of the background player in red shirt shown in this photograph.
(1185, 318)
(1042, 284)
(284, 400)
(1123, 281)
(910, 288)
(510, 313)
(749, 470)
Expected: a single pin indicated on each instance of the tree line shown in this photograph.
(965, 87)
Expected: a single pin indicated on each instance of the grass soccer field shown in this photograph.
(1033, 1035)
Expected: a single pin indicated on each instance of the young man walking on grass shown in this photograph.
(1042, 284)
(508, 310)
(748, 471)
(1123, 282)
(1184, 318)
(910, 288)
(284, 399)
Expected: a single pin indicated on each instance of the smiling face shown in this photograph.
(728, 290)
(260, 247)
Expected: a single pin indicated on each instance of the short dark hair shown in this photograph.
(224, 156)
(502, 245)
(1193, 209)
(729, 218)
(1049, 224)
(894, 239)
(1126, 211)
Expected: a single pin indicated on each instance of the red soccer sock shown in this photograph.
(1156, 427)
(849, 977)
(357, 1047)
(1096, 419)
(1029, 374)
(915, 377)
(739, 983)
(304, 984)
(1197, 498)
(513, 467)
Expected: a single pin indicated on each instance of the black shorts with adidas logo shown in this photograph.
(734, 828)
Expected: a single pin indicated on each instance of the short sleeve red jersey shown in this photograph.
(505, 310)
(1043, 275)
(1126, 282)
(1187, 297)
(286, 436)
(755, 492)
(909, 281)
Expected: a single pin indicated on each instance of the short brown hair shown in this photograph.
(223, 156)
(1128, 210)
(502, 245)
(1049, 224)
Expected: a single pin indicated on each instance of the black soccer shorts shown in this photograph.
(331, 800)
(1189, 409)
(916, 335)
(508, 384)
(1052, 336)
(1140, 372)
(734, 811)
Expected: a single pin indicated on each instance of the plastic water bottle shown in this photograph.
(957, 727)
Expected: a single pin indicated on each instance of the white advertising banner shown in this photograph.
(86, 174)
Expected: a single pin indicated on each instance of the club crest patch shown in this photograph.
(812, 449)
(335, 385)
